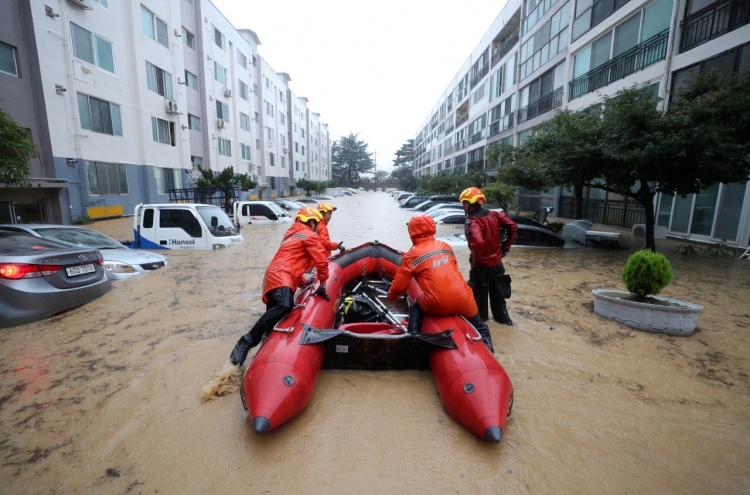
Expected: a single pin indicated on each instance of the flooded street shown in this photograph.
(106, 398)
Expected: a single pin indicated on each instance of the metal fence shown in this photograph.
(223, 196)
(617, 213)
(713, 21)
(540, 106)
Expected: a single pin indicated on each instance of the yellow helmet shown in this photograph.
(306, 214)
(324, 208)
(472, 195)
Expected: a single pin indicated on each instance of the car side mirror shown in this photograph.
(273, 216)
(214, 222)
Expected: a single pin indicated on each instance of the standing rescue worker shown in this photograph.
(482, 229)
(434, 266)
(326, 211)
(299, 249)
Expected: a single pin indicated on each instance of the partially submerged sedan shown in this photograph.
(119, 261)
(40, 278)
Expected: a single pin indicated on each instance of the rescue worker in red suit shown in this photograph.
(487, 274)
(326, 211)
(433, 265)
(299, 249)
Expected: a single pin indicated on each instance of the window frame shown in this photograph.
(155, 26)
(156, 122)
(187, 35)
(187, 80)
(94, 51)
(14, 53)
(191, 119)
(111, 113)
(166, 80)
(224, 147)
(122, 169)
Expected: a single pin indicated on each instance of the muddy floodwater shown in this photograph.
(106, 397)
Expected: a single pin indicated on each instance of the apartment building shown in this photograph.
(542, 55)
(125, 99)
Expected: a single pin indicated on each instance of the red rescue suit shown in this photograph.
(325, 239)
(434, 266)
(300, 249)
(482, 229)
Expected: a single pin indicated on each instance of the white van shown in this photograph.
(249, 212)
(183, 226)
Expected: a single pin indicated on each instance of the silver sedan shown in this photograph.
(40, 278)
(119, 261)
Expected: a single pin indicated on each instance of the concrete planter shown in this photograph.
(672, 320)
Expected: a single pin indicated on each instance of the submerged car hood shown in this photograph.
(131, 256)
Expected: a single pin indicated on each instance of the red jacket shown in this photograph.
(299, 249)
(482, 229)
(434, 266)
(325, 239)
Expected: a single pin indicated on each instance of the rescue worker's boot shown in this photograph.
(241, 349)
(416, 315)
(504, 318)
(483, 330)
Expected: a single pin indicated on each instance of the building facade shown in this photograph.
(125, 100)
(543, 55)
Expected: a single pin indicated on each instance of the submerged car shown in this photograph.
(445, 206)
(40, 278)
(288, 205)
(323, 198)
(413, 201)
(528, 235)
(119, 261)
(451, 217)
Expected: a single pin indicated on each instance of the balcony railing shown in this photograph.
(650, 51)
(461, 145)
(476, 137)
(713, 21)
(542, 105)
(475, 165)
(505, 122)
(447, 150)
(462, 119)
(505, 48)
(449, 129)
(482, 72)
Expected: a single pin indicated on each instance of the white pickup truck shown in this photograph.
(183, 226)
(251, 212)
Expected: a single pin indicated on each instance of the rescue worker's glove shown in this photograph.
(341, 247)
(505, 250)
(321, 291)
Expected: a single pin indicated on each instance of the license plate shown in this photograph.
(74, 271)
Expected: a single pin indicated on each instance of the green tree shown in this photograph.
(15, 152)
(350, 158)
(405, 154)
(381, 174)
(225, 178)
(405, 178)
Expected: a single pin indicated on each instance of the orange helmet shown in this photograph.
(324, 208)
(472, 195)
(306, 214)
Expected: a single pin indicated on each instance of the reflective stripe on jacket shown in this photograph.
(434, 266)
(300, 249)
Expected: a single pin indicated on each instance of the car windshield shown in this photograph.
(437, 213)
(10, 242)
(79, 238)
(276, 209)
(222, 225)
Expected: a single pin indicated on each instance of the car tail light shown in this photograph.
(15, 271)
(99, 260)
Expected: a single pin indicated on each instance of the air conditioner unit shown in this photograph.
(84, 4)
(171, 106)
(227, 92)
(220, 124)
(270, 144)
(285, 150)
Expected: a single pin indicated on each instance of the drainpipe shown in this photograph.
(670, 52)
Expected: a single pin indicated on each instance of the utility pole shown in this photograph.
(376, 160)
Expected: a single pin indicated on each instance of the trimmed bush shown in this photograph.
(82, 220)
(646, 273)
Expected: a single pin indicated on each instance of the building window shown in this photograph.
(92, 48)
(219, 39)
(162, 131)
(188, 38)
(271, 159)
(255, 61)
(296, 165)
(589, 13)
(295, 126)
(99, 115)
(257, 144)
(302, 131)
(103, 3)
(245, 152)
(225, 147)
(8, 59)
(166, 179)
(257, 117)
(283, 162)
(194, 123)
(479, 93)
(736, 60)
(244, 122)
(255, 89)
(107, 179)
(154, 28)
(282, 139)
(241, 59)
(550, 39)
(191, 80)
(222, 111)
(220, 74)
(243, 90)
(303, 149)
(159, 81)
(281, 95)
(197, 161)
(271, 133)
(269, 109)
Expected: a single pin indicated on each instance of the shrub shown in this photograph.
(529, 215)
(82, 220)
(556, 226)
(646, 273)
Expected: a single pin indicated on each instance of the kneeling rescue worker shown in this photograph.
(487, 274)
(299, 249)
(326, 211)
(434, 266)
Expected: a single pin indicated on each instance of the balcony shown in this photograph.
(650, 51)
(462, 119)
(449, 129)
(505, 48)
(447, 150)
(713, 21)
(542, 105)
(461, 145)
(475, 165)
(505, 122)
(480, 75)
(475, 138)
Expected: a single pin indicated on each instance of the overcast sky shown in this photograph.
(370, 67)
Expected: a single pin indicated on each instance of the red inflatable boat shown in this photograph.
(279, 382)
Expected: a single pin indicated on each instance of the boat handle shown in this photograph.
(468, 337)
